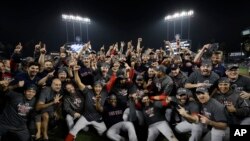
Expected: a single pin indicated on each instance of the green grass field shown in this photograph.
(244, 71)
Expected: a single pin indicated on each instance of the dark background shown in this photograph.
(121, 20)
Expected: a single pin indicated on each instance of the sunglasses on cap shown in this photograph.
(182, 95)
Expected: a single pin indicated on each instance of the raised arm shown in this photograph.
(41, 59)
(79, 83)
(138, 47)
(198, 56)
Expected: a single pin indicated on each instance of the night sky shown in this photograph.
(122, 20)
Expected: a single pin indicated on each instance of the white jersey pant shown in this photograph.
(113, 132)
(82, 123)
(217, 135)
(70, 122)
(245, 121)
(196, 129)
(160, 127)
(139, 116)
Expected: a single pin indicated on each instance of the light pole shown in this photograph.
(76, 19)
(180, 15)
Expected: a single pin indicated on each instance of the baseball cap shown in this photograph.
(201, 90)
(93, 52)
(139, 77)
(62, 70)
(105, 65)
(181, 91)
(206, 62)
(224, 80)
(120, 74)
(98, 82)
(31, 87)
(174, 66)
(161, 68)
(232, 66)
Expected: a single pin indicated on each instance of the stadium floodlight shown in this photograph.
(178, 15)
(72, 18)
(76, 19)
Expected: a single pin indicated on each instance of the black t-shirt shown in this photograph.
(17, 110)
(27, 81)
(74, 103)
(153, 113)
(90, 112)
(123, 91)
(113, 115)
(163, 85)
(86, 75)
(178, 81)
(242, 83)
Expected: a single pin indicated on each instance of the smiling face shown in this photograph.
(70, 88)
(182, 98)
(98, 88)
(203, 97)
(56, 85)
(29, 94)
(216, 59)
(206, 70)
(48, 65)
(224, 87)
(146, 100)
(233, 74)
(113, 100)
(151, 72)
(175, 72)
(33, 70)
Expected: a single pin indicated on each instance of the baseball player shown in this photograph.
(113, 117)
(155, 120)
(15, 115)
(189, 111)
(94, 100)
(213, 114)
(237, 107)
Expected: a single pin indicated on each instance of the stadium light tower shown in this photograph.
(179, 15)
(76, 19)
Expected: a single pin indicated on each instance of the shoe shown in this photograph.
(70, 137)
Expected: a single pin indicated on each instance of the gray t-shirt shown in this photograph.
(17, 111)
(47, 95)
(214, 111)
(197, 77)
